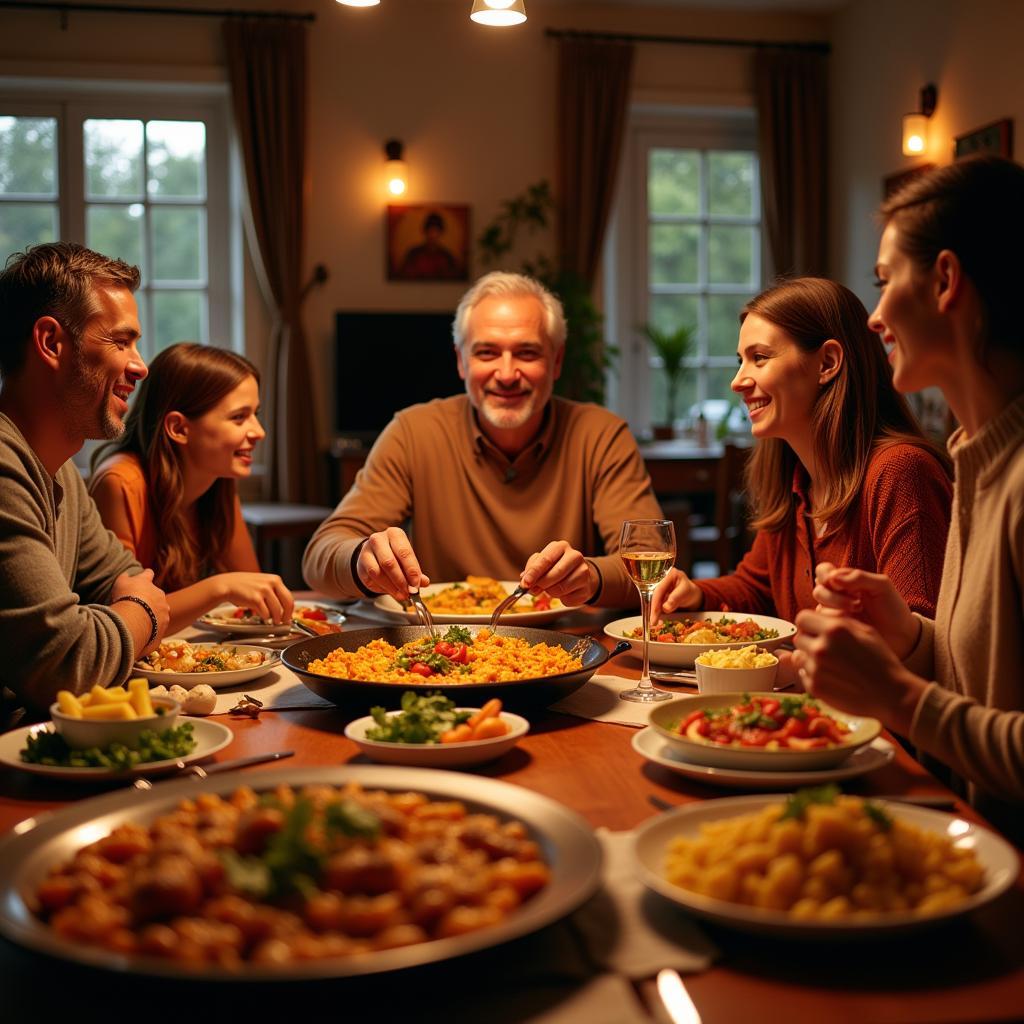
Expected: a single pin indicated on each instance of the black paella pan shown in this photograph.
(359, 695)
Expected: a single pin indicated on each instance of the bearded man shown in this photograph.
(506, 480)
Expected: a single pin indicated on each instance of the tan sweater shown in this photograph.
(972, 717)
(473, 510)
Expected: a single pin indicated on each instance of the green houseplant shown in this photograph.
(586, 354)
(673, 347)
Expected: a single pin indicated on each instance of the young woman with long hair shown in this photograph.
(949, 269)
(841, 471)
(167, 486)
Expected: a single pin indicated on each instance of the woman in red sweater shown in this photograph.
(841, 472)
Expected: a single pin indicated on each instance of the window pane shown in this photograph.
(718, 380)
(724, 323)
(176, 153)
(177, 316)
(116, 231)
(671, 311)
(25, 224)
(686, 395)
(730, 254)
(179, 237)
(113, 158)
(673, 181)
(673, 253)
(731, 184)
(28, 156)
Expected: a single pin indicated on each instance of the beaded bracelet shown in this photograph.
(154, 625)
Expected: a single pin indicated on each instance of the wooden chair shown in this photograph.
(273, 522)
(725, 538)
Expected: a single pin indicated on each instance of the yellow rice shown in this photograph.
(493, 659)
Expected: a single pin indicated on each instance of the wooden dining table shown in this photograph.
(969, 969)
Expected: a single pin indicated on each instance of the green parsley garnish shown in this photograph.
(49, 748)
(798, 803)
(423, 719)
(878, 815)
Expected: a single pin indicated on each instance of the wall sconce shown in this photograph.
(915, 125)
(498, 12)
(397, 175)
(359, 3)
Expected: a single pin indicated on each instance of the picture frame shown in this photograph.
(995, 138)
(892, 183)
(428, 242)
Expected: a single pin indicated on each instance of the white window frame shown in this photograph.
(72, 102)
(626, 275)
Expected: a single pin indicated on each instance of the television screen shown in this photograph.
(386, 361)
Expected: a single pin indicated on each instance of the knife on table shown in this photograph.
(197, 771)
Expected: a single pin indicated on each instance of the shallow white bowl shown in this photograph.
(83, 733)
(665, 716)
(711, 679)
(683, 655)
(438, 755)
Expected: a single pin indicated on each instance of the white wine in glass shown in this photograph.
(647, 548)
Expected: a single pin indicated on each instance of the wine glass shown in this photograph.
(648, 550)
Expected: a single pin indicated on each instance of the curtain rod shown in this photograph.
(630, 37)
(188, 12)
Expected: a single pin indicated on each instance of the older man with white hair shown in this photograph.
(506, 480)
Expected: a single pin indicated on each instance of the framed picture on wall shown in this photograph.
(995, 138)
(894, 182)
(428, 242)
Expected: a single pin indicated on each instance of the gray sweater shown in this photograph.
(57, 566)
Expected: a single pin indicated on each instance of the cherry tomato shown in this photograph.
(459, 654)
(665, 638)
(420, 669)
(313, 613)
(793, 727)
(542, 604)
(241, 613)
(755, 737)
(444, 648)
(769, 705)
(692, 717)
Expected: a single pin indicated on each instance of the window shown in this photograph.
(685, 248)
(146, 180)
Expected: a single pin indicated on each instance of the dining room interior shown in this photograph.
(340, 173)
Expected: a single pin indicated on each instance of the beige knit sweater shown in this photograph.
(972, 716)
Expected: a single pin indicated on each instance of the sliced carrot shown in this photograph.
(490, 710)
(459, 734)
(490, 728)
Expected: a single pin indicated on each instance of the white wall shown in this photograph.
(884, 51)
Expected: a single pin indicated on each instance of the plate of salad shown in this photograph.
(431, 732)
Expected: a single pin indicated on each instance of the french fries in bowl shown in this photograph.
(115, 714)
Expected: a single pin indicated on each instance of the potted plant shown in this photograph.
(672, 347)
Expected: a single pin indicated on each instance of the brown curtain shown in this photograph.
(791, 111)
(267, 66)
(593, 98)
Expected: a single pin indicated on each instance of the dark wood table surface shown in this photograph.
(971, 969)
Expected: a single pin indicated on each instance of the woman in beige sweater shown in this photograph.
(949, 269)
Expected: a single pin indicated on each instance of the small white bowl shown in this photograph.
(438, 755)
(711, 679)
(83, 733)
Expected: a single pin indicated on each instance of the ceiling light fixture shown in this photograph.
(915, 124)
(498, 12)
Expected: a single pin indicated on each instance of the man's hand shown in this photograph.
(262, 592)
(560, 571)
(387, 564)
(143, 587)
(676, 592)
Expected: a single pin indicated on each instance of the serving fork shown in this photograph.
(517, 594)
(422, 612)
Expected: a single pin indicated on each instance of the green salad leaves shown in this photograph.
(49, 748)
(423, 719)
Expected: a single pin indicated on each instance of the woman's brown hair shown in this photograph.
(974, 208)
(857, 411)
(190, 379)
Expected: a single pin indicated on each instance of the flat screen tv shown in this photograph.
(386, 361)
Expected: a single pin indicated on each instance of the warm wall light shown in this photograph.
(498, 12)
(397, 176)
(359, 3)
(915, 125)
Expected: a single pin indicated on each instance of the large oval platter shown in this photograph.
(386, 603)
(569, 846)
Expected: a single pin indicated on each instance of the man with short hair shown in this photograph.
(489, 478)
(75, 608)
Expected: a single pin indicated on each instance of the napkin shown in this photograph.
(631, 931)
(598, 699)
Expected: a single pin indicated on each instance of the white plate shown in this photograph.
(210, 737)
(684, 654)
(649, 744)
(216, 620)
(568, 843)
(386, 603)
(437, 755)
(664, 717)
(215, 679)
(652, 839)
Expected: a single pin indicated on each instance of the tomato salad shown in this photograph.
(720, 631)
(774, 723)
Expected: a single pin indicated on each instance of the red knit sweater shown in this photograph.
(897, 526)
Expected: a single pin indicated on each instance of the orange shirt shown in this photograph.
(121, 492)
